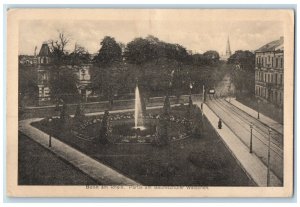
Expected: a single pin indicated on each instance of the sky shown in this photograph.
(195, 35)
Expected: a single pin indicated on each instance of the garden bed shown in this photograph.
(195, 161)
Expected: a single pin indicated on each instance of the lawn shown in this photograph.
(38, 166)
(194, 161)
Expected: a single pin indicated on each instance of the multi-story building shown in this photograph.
(43, 74)
(269, 70)
(41, 66)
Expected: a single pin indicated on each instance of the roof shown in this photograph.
(44, 51)
(272, 46)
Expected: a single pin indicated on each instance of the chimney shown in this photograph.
(281, 38)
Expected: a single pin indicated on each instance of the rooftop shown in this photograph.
(272, 46)
(45, 51)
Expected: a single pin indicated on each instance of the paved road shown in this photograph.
(263, 118)
(252, 165)
(239, 122)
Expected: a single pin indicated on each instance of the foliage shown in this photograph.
(142, 50)
(104, 131)
(79, 56)
(57, 48)
(211, 57)
(109, 53)
(243, 74)
(63, 83)
(79, 114)
(245, 60)
(27, 86)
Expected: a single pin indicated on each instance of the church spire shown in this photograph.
(228, 51)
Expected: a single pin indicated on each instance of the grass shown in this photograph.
(195, 161)
(38, 166)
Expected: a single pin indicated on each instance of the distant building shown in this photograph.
(27, 59)
(41, 66)
(269, 69)
(43, 74)
(228, 51)
(84, 77)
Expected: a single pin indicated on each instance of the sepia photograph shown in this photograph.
(150, 102)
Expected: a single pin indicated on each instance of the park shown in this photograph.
(143, 118)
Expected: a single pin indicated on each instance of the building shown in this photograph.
(43, 74)
(40, 67)
(228, 51)
(269, 69)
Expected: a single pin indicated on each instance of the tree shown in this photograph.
(105, 129)
(57, 48)
(245, 59)
(64, 84)
(106, 70)
(79, 114)
(243, 73)
(211, 56)
(138, 51)
(109, 53)
(79, 56)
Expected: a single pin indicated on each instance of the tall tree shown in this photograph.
(245, 59)
(79, 56)
(243, 73)
(109, 53)
(138, 51)
(64, 84)
(211, 56)
(58, 49)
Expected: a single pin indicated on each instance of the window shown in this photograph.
(266, 61)
(276, 77)
(281, 79)
(265, 78)
(259, 92)
(280, 98)
(281, 62)
(272, 62)
(266, 93)
(271, 78)
(276, 64)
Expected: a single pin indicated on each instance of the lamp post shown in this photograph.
(258, 101)
(191, 87)
(229, 91)
(269, 146)
(203, 93)
(251, 128)
(50, 126)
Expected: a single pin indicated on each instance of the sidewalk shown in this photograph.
(264, 119)
(99, 172)
(249, 162)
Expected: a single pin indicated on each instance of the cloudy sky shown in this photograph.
(196, 35)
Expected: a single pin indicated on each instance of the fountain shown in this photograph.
(138, 115)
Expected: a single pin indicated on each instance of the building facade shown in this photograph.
(41, 66)
(43, 74)
(269, 71)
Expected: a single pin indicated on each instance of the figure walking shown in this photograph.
(220, 123)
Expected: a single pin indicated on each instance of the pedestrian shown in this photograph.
(220, 123)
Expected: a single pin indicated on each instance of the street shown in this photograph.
(239, 122)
